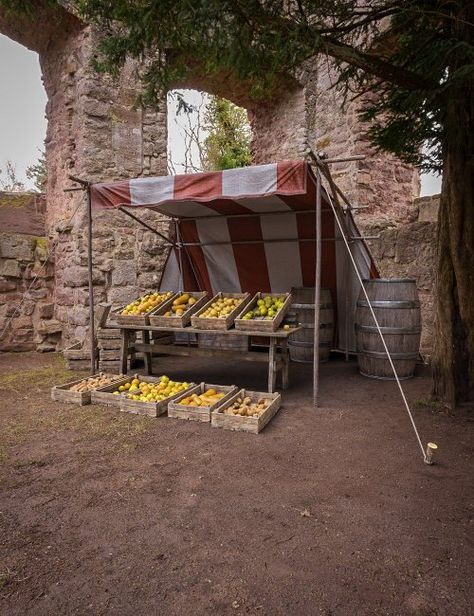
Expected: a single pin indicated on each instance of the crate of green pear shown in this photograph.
(179, 313)
(246, 411)
(264, 313)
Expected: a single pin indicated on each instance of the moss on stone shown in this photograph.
(15, 199)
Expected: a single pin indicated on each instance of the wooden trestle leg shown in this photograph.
(147, 354)
(124, 351)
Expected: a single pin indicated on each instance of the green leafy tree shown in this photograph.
(227, 144)
(38, 173)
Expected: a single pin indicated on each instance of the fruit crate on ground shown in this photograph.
(167, 316)
(178, 408)
(151, 408)
(63, 393)
(277, 305)
(149, 302)
(221, 419)
(216, 322)
(105, 395)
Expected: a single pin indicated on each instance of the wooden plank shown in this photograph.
(109, 354)
(111, 344)
(280, 333)
(108, 333)
(196, 351)
(78, 364)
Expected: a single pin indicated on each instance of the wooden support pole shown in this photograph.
(90, 276)
(343, 159)
(317, 291)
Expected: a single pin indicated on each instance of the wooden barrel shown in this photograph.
(300, 344)
(396, 306)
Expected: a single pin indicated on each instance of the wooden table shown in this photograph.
(277, 355)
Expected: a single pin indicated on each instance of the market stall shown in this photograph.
(251, 230)
(243, 240)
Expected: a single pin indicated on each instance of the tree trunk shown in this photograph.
(453, 362)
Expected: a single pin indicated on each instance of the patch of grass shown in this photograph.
(436, 406)
(85, 421)
(6, 578)
(24, 380)
(36, 415)
(28, 463)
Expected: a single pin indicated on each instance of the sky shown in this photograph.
(23, 123)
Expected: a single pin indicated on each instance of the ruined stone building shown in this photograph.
(95, 133)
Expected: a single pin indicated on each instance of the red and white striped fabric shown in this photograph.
(227, 248)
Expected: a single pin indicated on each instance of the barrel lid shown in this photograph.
(389, 280)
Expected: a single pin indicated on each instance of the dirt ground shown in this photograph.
(327, 512)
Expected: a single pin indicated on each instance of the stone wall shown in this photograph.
(95, 132)
(127, 259)
(381, 183)
(26, 280)
(409, 251)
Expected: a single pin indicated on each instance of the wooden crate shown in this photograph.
(108, 333)
(246, 424)
(105, 395)
(139, 319)
(109, 344)
(157, 316)
(76, 352)
(79, 365)
(199, 413)
(210, 323)
(152, 409)
(110, 366)
(62, 393)
(261, 325)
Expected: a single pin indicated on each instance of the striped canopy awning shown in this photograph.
(248, 229)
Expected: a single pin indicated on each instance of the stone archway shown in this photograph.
(94, 132)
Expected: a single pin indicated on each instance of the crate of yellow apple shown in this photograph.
(220, 311)
(264, 313)
(179, 313)
(138, 311)
(198, 402)
(150, 396)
